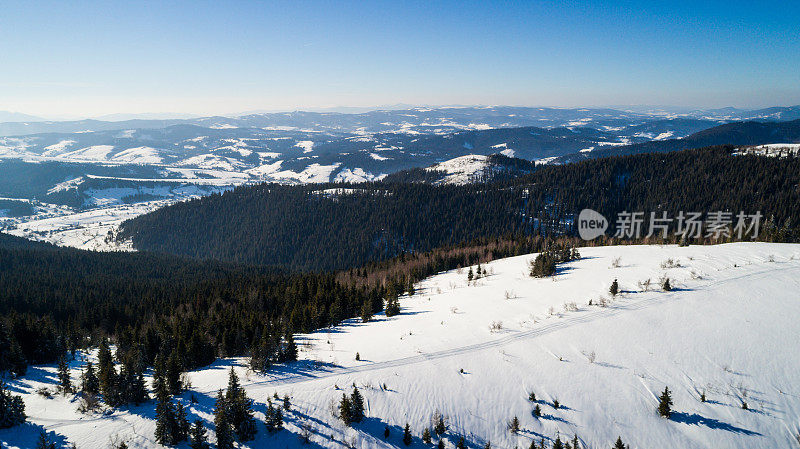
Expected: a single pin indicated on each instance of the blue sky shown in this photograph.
(92, 58)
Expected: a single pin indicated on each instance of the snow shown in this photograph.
(772, 149)
(92, 153)
(378, 157)
(66, 185)
(58, 148)
(306, 145)
(508, 152)
(312, 173)
(728, 328)
(357, 175)
(138, 155)
(461, 170)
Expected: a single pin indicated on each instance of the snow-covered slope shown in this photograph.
(729, 328)
(461, 170)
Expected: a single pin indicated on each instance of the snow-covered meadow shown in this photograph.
(474, 352)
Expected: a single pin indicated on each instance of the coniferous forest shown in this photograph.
(322, 227)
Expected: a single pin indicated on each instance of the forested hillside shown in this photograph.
(336, 226)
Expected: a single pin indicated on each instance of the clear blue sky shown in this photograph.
(90, 58)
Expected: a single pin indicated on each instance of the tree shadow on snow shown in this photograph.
(697, 420)
(26, 435)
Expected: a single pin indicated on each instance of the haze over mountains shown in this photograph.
(105, 171)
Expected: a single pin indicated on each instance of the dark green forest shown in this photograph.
(311, 228)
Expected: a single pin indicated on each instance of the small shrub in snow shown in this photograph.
(666, 285)
(616, 262)
(694, 275)
(603, 301)
(670, 263)
(509, 294)
(358, 356)
(570, 307)
(44, 392)
(496, 326)
(556, 404)
(88, 403)
(644, 285)
(590, 356)
(771, 258)
(614, 289)
(532, 397)
(551, 310)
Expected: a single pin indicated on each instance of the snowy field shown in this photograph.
(728, 328)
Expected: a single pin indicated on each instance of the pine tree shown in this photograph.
(273, 418)
(407, 438)
(366, 311)
(223, 426)
(173, 370)
(90, 384)
(470, 275)
(346, 410)
(392, 306)
(44, 442)
(12, 408)
(239, 409)
(537, 411)
(286, 404)
(575, 443)
(182, 426)
(166, 418)
(356, 405)
(665, 403)
(440, 445)
(532, 397)
(461, 444)
(614, 289)
(64, 380)
(619, 444)
(426, 436)
(666, 287)
(197, 436)
(557, 444)
(439, 427)
(513, 426)
(107, 374)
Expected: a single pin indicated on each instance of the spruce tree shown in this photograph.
(182, 426)
(167, 431)
(407, 438)
(197, 436)
(557, 444)
(619, 444)
(440, 445)
(513, 426)
(439, 427)
(356, 405)
(222, 424)
(346, 410)
(488, 445)
(386, 431)
(286, 404)
(665, 403)
(461, 444)
(666, 285)
(426, 436)
(64, 379)
(537, 411)
(240, 409)
(44, 442)
(470, 275)
(366, 311)
(90, 384)
(392, 306)
(614, 289)
(273, 418)
(12, 408)
(575, 443)
(107, 374)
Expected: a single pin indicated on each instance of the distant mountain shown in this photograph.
(739, 133)
(7, 116)
(465, 170)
